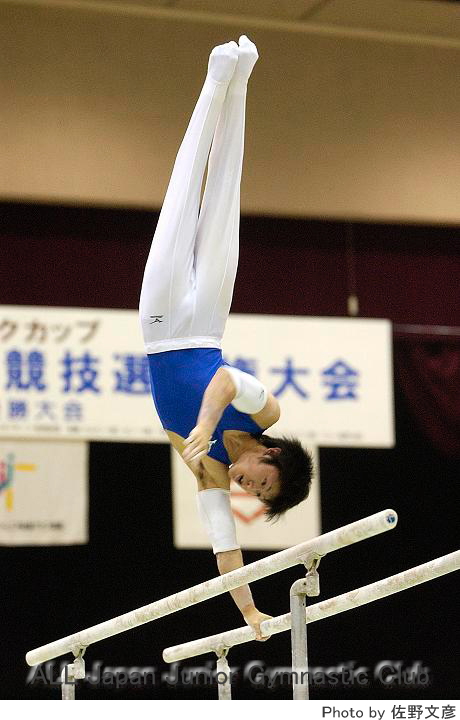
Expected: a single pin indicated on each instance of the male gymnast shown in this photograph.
(214, 414)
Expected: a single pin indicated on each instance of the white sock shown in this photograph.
(222, 62)
(247, 58)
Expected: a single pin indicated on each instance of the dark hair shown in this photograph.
(295, 466)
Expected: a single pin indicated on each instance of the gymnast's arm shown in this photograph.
(214, 506)
(232, 560)
(229, 385)
(219, 393)
(219, 523)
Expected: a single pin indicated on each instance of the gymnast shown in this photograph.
(214, 414)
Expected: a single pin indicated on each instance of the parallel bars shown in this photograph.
(355, 598)
(317, 547)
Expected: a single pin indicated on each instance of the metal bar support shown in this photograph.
(68, 682)
(299, 640)
(69, 676)
(224, 682)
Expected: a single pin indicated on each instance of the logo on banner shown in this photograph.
(7, 474)
(245, 507)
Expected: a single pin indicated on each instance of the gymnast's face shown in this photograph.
(254, 476)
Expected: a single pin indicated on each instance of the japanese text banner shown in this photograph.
(83, 373)
(74, 372)
(333, 377)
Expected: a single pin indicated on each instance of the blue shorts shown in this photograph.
(178, 380)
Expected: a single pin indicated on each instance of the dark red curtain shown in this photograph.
(408, 274)
(428, 372)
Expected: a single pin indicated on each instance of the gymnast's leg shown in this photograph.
(217, 242)
(167, 296)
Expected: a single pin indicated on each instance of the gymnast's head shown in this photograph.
(277, 470)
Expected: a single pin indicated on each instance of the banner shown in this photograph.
(82, 373)
(74, 373)
(43, 493)
(301, 523)
(333, 377)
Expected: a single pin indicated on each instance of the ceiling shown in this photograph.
(417, 19)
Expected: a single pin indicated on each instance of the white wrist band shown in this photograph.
(217, 518)
(251, 395)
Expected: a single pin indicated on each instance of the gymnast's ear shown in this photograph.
(272, 451)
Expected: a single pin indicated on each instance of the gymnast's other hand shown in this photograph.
(197, 443)
(254, 618)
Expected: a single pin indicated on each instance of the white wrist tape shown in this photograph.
(217, 518)
(251, 395)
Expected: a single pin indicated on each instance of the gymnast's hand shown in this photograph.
(253, 618)
(197, 443)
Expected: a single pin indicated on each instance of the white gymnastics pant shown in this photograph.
(190, 273)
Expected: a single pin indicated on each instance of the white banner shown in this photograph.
(75, 373)
(333, 377)
(79, 373)
(253, 532)
(43, 493)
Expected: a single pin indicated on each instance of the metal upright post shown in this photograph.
(69, 676)
(299, 640)
(68, 682)
(309, 585)
(223, 677)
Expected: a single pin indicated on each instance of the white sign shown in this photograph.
(43, 493)
(79, 373)
(333, 377)
(301, 523)
(75, 373)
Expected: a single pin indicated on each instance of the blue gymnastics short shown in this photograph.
(178, 379)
